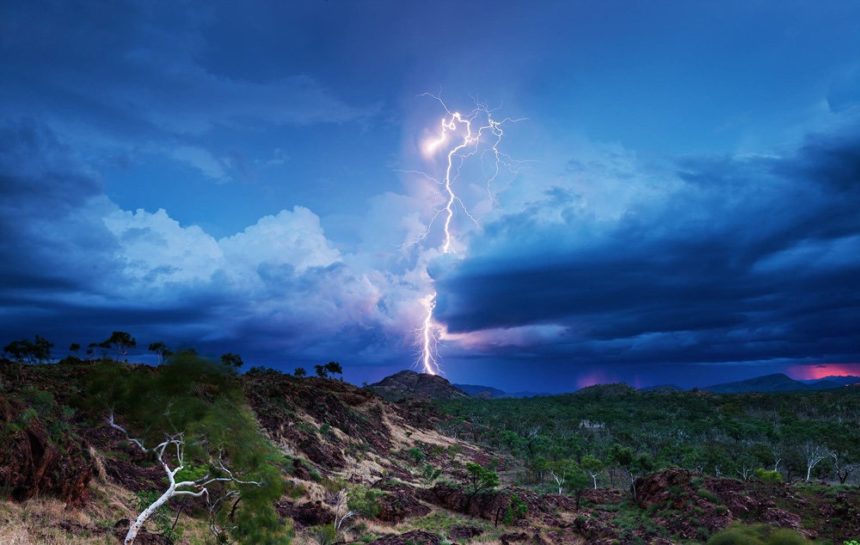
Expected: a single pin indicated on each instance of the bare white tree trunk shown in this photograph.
(341, 511)
(559, 481)
(195, 489)
(594, 479)
(814, 454)
(145, 514)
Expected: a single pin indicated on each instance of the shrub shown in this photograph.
(516, 510)
(294, 490)
(768, 476)
(416, 454)
(430, 473)
(364, 501)
(736, 536)
(325, 534)
(706, 494)
(757, 535)
(786, 537)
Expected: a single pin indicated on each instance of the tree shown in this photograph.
(560, 470)
(300, 372)
(593, 466)
(569, 476)
(232, 361)
(19, 350)
(204, 438)
(632, 464)
(161, 349)
(479, 479)
(814, 454)
(42, 349)
(842, 469)
(25, 350)
(334, 368)
(120, 341)
(182, 479)
(74, 347)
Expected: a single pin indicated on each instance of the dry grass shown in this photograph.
(365, 470)
(98, 459)
(405, 436)
(37, 522)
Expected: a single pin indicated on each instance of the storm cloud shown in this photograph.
(749, 259)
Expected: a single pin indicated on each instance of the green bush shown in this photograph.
(294, 490)
(706, 494)
(786, 537)
(516, 510)
(768, 476)
(430, 473)
(736, 536)
(325, 534)
(757, 535)
(364, 501)
(416, 454)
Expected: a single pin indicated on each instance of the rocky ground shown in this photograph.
(66, 481)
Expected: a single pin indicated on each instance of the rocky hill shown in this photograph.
(409, 385)
(68, 478)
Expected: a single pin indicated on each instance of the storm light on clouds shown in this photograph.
(679, 204)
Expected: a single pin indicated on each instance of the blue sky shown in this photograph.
(681, 207)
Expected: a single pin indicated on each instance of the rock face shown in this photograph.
(399, 505)
(32, 464)
(670, 496)
(306, 514)
(318, 417)
(416, 386)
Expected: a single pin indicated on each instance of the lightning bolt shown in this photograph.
(463, 134)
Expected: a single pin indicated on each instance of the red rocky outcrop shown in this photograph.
(31, 464)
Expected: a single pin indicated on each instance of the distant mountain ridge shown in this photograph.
(779, 382)
(424, 387)
(484, 392)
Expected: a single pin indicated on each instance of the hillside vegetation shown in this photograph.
(213, 456)
(722, 435)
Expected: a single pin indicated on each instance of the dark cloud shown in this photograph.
(49, 243)
(74, 267)
(752, 259)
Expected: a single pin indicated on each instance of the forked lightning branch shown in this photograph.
(461, 137)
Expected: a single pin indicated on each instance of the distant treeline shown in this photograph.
(615, 433)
